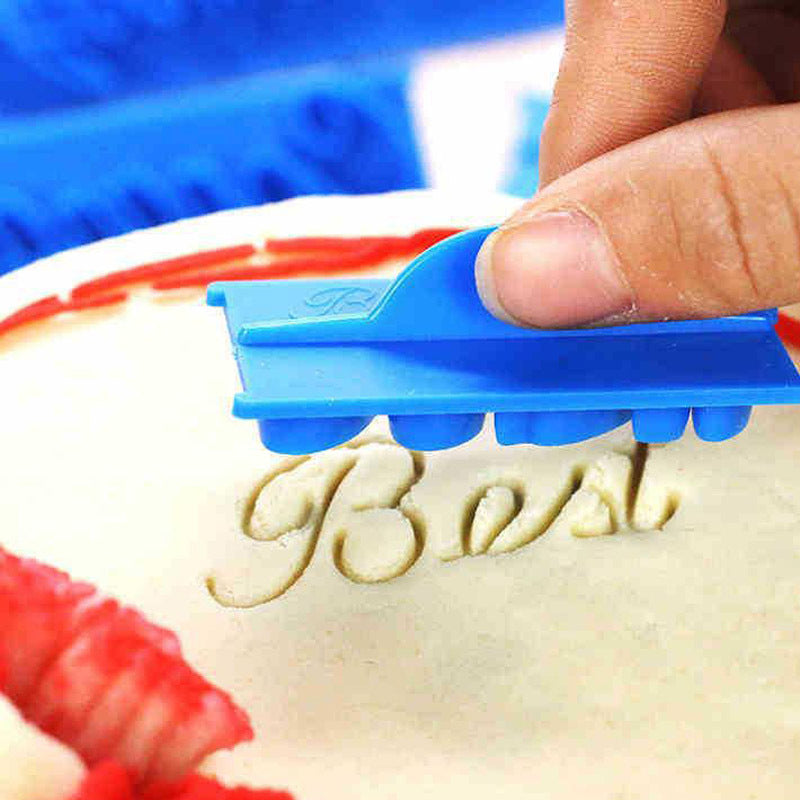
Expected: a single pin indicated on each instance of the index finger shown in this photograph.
(630, 68)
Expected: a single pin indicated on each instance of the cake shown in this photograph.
(596, 620)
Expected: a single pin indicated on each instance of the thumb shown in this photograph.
(700, 220)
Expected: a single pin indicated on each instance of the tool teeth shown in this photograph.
(555, 427)
(302, 436)
(715, 424)
(435, 431)
(659, 425)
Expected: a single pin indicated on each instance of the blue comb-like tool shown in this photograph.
(73, 177)
(320, 358)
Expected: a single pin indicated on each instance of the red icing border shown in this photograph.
(159, 269)
(348, 261)
(788, 328)
(53, 306)
(278, 258)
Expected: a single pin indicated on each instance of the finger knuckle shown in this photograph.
(735, 261)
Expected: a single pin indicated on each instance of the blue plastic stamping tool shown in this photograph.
(320, 358)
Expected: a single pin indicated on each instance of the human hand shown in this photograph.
(670, 163)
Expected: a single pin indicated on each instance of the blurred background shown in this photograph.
(121, 114)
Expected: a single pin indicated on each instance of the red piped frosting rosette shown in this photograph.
(110, 781)
(114, 687)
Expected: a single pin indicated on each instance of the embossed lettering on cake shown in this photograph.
(350, 502)
(356, 504)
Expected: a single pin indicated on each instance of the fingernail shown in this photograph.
(554, 270)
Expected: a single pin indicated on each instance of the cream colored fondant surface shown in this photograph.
(503, 622)
(33, 766)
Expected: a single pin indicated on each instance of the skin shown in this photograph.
(670, 166)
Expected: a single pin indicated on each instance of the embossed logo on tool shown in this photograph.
(336, 300)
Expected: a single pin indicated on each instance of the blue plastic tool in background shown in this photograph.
(98, 132)
(423, 350)
(75, 177)
(72, 52)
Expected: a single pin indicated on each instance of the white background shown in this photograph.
(467, 102)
